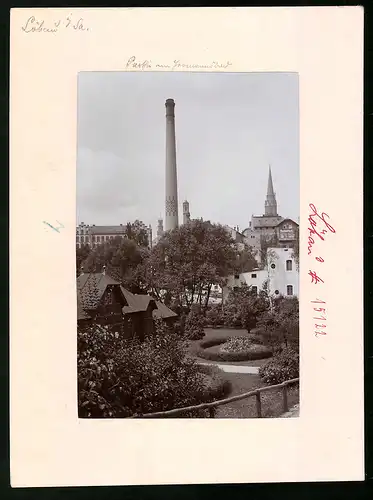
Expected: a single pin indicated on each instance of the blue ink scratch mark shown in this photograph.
(61, 226)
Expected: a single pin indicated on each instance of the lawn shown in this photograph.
(271, 401)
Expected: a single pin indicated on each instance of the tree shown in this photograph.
(244, 307)
(121, 257)
(295, 253)
(267, 241)
(245, 260)
(81, 255)
(137, 232)
(280, 326)
(188, 261)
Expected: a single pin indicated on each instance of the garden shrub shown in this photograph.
(283, 366)
(244, 307)
(212, 341)
(216, 386)
(194, 325)
(280, 326)
(120, 378)
(214, 316)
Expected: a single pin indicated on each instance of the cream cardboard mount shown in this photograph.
(49, 47)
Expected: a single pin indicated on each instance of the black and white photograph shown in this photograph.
(187, 245)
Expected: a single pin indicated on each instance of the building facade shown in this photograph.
(270, 228)
(95, 235)
(280, 274)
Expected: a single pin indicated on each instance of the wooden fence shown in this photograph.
(239, 397)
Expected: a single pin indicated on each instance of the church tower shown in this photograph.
(186, 213)
(270, 205)
(160, 228)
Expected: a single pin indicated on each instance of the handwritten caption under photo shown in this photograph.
(34, 25)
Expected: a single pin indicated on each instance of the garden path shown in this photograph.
(252, 370)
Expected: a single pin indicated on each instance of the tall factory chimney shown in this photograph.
(171, 215)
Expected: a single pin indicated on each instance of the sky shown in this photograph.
(229, 128)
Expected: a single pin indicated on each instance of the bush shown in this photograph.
(280, 327)
(283, 366)
(194, 325)
(120, 378)
(216, 386)
(251, 352)
(214, 316)
(244, 307)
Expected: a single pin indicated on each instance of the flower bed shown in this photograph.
(240, 344)
(233, 349)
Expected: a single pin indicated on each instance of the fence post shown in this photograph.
(258, 404)
(285, 398)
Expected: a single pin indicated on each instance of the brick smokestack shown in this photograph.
(171, 202)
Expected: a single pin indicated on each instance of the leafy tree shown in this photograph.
(137, 231)
(122, 257)
(245, 260)
(81, 255)
(280, 325)
(295, 253)
(214, 315)
(244, 307)
(188, 261)
(267, 241)
(194, 324)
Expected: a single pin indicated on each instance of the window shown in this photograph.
(216, 287)
(235, 288)
(254, 289)
(289, 265)
(253, 275)
(236, 276)
(289, 289)
(273, 266)
(276, 292)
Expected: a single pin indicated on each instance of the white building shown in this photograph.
(280, 272)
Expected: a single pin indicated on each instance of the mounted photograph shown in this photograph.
(187, 245)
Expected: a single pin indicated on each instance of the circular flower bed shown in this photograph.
(232, 349)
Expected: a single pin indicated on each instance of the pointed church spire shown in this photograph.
(270, 191)
(270, 205)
